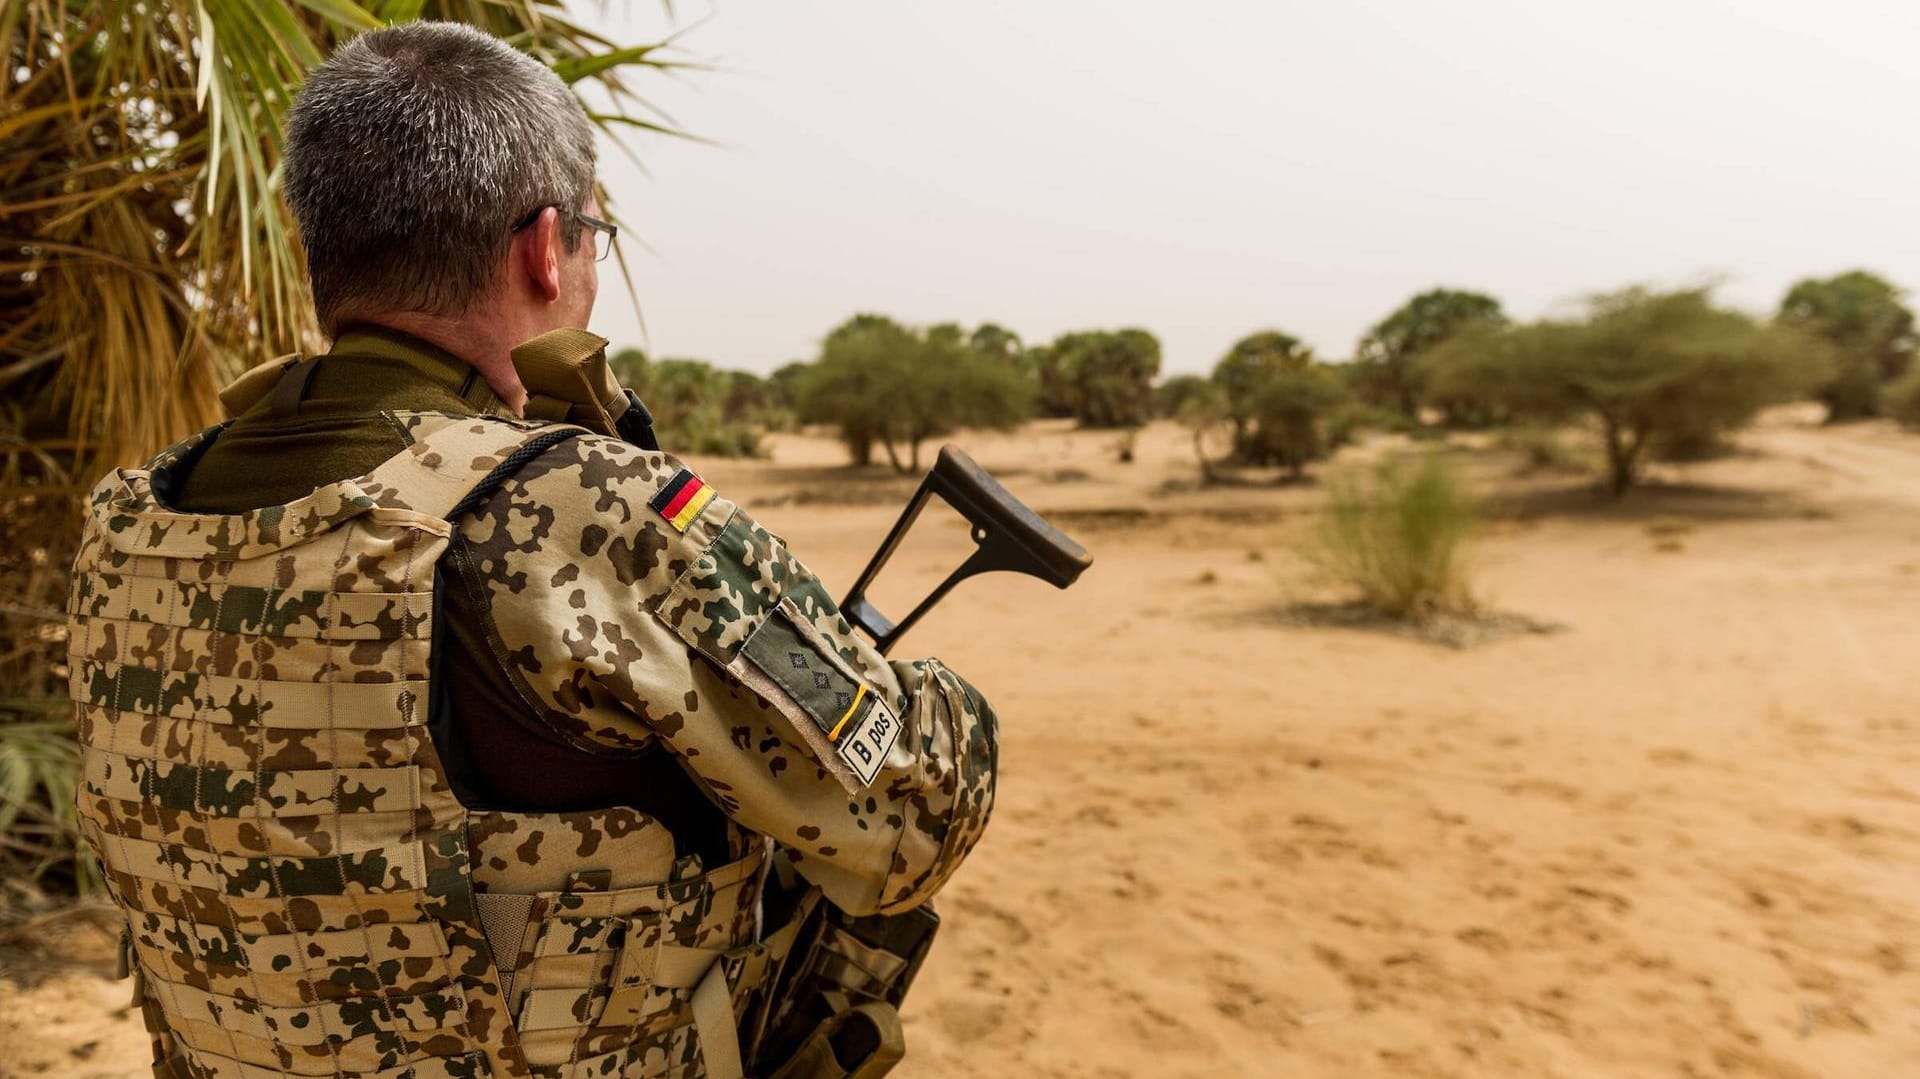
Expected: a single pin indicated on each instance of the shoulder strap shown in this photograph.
(291, 388)
(450, 469)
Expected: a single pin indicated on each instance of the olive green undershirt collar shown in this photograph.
(404, 362)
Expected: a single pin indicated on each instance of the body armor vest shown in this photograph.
(304, 893)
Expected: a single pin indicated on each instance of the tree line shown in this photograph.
(1654, 372)
(888, 389)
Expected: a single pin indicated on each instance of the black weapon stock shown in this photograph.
(1006, 534)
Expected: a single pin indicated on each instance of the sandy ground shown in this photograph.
(1678, 837)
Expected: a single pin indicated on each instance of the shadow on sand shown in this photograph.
(1458, 631)
(1653, 501)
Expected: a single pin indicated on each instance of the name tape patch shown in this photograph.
(864, 738)
(682, 500)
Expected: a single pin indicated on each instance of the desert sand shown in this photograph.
(1677, 836)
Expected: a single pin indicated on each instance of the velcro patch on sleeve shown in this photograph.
(864, 743)
(843, 715)
(682, 500)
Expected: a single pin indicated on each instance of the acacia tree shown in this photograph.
(1199, 405)
(1253, 362)
(1054, 380)
(1389, 352)
(1642, 364)
(1103, 378)
(1277, 397)
(1116, 372)
(949, 385)
(1290, 414)
(996, 342)
(783, 385)
(848, 385)
(1866, 319)
(883, 384)
(1386, 358)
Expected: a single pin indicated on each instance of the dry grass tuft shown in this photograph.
(1400, 541)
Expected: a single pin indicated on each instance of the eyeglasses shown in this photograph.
(601, 248)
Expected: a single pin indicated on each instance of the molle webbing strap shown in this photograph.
(719, 1031)
(713, 975)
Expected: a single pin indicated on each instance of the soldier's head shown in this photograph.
(435, 171)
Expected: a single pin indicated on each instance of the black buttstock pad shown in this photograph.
(1037, 548)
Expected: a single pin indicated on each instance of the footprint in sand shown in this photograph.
(1487, 940)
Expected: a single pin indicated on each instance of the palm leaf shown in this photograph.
(145, 256)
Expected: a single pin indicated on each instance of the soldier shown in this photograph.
(425, 740)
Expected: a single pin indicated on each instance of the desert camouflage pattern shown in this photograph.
(597, 601)
(259, 784)
(305, 894)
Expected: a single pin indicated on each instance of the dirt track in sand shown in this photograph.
(1680, 836)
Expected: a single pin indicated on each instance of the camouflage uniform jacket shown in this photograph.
(305, 893)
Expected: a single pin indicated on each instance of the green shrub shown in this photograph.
(1901, 399)
(39, 777)
(1289, 413)
(39, 756)
(1279, 400)
(1866, 321)
(1400, 540)
(1684, 445)
(1254, 362)
(1171, 397)
(1352, 416)
(699, 408)
(1542, 449)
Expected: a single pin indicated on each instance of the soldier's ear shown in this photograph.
(536, 254)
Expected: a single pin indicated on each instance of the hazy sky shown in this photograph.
(1212, 167)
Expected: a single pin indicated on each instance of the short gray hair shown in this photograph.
(411, 154)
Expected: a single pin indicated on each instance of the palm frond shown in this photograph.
(139, 159)
(145, 256)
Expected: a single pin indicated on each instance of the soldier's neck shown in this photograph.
(484, 343)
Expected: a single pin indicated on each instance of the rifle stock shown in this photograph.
(1008, 536)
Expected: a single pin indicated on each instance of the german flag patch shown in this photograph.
(682, 499)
